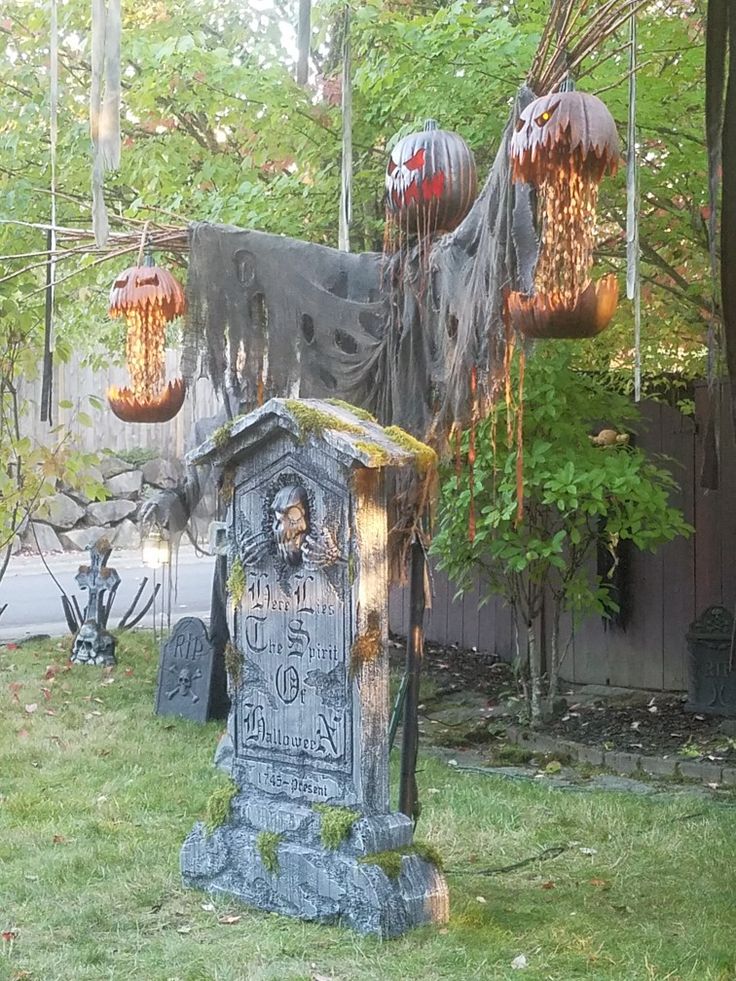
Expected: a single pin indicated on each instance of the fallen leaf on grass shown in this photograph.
(208, 907)
(59, 840)
(322, 977)
(481, 899)
(47, 693)
(50, 712)
(600, 883)
(23, 734)
(51, 671)
(588, 851)
(520, 962)
(9, 935)
(31, 707)
(228, 920)
(14, 687)
(184, 929)
(128, 672)
(548, 885)
(11, 646)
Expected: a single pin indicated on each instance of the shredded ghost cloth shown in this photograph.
(398, 335)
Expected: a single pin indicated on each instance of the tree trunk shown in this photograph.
(304, 36)
(553, 676)
(536, 678)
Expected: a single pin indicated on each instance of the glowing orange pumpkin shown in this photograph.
(564, 143)
(148, 297)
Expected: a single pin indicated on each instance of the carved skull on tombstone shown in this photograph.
(183, 687)
(290, 524)
(92, 645)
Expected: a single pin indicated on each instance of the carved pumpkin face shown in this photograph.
(564, 125)
(564, 143)
(148, 297)
(431, 181)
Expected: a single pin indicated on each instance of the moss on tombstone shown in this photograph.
(267, 844)
(314, 421)
(221, 436)
(233, 664)
(430, 853)
(377, 455)
(390, 862)
(335, 823)
(217, 811)
(368, 645)
(425, 456)
(363, 414)
(236, 582)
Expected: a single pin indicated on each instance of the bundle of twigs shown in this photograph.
(572, 32)
(75, 243)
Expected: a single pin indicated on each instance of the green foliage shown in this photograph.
(570, 487)
(356, 410)
(138, 455)
(335, 823)
(233, 664)
(267, 844)
(576, 496)
(221, 436)
(218, 806)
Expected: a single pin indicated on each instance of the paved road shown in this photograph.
(34, 605)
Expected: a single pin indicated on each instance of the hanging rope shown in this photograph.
(104, 106)
(346, 180)
(48, 344)
(633, 277)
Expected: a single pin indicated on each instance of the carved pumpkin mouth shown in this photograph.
(554, 316)
(161, 407)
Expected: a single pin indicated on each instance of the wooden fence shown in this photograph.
(74, 382)
(666, 591)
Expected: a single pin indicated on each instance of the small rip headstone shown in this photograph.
(187, 673)
(711, 675)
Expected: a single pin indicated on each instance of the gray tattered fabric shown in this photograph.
(398, 335)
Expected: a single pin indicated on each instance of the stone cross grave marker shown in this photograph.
(188, 673)
(93, 644)
(309, 832)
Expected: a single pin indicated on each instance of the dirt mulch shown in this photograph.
(659, 726)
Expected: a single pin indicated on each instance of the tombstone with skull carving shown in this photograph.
(187, 673)
(308, 588)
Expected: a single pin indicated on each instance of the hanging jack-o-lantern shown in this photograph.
(148, 297)
(564, 143)
(431, 183)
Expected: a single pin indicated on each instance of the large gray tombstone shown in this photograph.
(308, 677)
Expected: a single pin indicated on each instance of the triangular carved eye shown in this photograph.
(391, 166)
(416, 162)
(544, 117)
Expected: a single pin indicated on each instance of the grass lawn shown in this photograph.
(97, 795)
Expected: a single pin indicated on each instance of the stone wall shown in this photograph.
(68, 521)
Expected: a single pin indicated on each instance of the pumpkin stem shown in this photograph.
(430, 125)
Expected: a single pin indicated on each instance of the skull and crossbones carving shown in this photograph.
(183, 687)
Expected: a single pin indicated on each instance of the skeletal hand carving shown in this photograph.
(321, 550)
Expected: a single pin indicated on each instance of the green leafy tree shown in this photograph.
(577, 496)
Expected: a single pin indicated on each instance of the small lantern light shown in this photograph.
(148, 297)
(155, 549)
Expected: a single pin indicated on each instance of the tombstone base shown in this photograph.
(296, 875)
